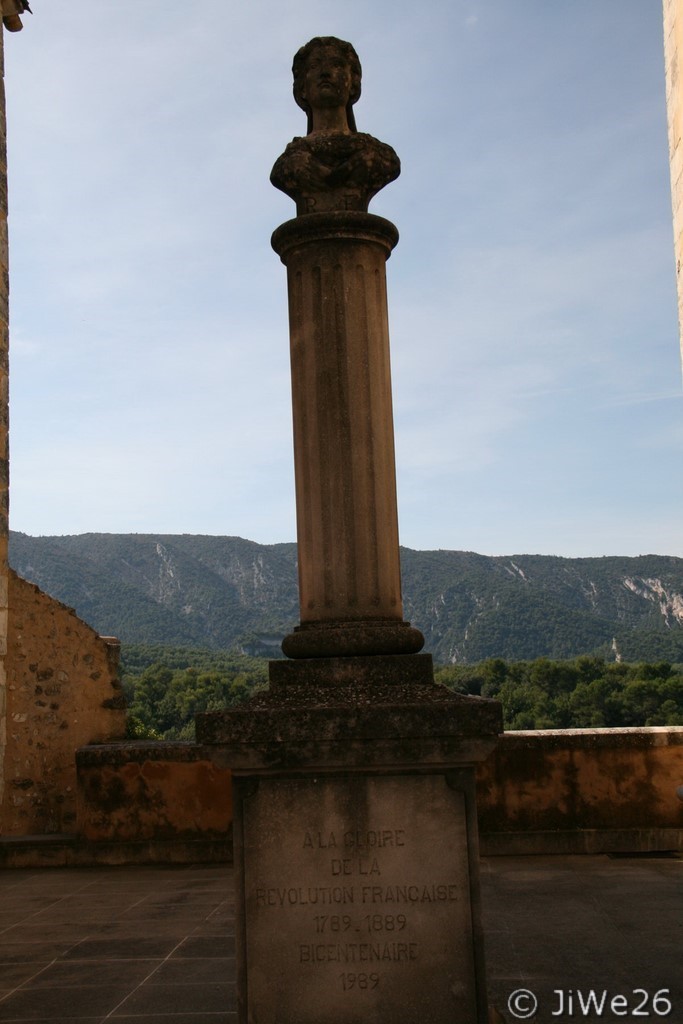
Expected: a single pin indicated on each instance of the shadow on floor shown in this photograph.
(136, 945)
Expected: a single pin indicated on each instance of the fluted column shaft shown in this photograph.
(347, 520)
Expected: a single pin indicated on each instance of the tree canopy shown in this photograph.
(167, 686)
(584, 693)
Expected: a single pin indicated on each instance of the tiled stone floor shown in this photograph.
(155, 945)
(127, 945)
(580, 924)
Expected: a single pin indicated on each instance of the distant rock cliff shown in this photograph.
(224, 592)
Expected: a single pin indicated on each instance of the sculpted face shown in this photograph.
(327, 82)
(327, 79)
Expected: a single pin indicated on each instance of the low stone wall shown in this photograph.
(564, 791)
(568, 791)
(583, 791)
(138, 803)
(145, 792)
(63, 691)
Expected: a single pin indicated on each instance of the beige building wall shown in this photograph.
(4, 408)
(673, 60)
(63, 692)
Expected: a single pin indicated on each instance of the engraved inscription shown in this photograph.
(374, 922)
(357, 952)
(347, 866)
(363, 981)
(355, 838)
(355, 886)
(275, 897)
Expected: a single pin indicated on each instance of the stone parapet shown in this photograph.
(562, 791)
(583, 791)
(139, 792)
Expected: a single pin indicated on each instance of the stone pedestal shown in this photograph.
(356, 849)
(347, 521)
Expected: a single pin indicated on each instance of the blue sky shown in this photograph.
(536, 368)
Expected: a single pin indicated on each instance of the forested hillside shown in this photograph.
(229, 593)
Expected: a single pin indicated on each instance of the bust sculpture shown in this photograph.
(333, 167)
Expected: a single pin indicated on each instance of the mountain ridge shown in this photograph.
(229, 592)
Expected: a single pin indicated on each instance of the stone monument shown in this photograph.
(335, 253)
(355, 827)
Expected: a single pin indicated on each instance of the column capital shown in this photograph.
(341, 225)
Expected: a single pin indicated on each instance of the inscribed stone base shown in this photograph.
(359, 900)
(356, 852)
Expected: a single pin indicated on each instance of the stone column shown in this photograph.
(335, 253)
(347, 520)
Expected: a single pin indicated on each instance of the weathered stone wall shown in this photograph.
(673, 59)
(63, 692)
(4, 407)
(583, 790)
(139, 791)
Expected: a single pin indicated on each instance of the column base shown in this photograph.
(405, 676)
(341, 639)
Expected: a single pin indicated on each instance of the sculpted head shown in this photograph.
(327, 80)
